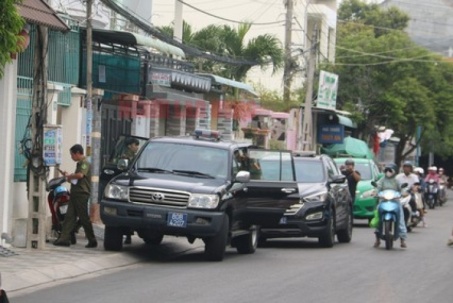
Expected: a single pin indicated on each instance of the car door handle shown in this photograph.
(288, 190)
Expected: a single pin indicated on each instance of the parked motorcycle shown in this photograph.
(58, 200)
(431, 191)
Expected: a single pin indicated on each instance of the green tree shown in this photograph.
(385, 79)
(11, 24)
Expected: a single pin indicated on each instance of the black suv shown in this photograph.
(326, 205)
(198, 187)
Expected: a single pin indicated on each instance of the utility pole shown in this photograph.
(178, 28)
(288, 60)
(36, 232)
(307, 124)
(93, 136)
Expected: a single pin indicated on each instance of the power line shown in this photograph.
(147, 28)
(230, 20)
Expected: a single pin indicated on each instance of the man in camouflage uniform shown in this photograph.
(78, 206)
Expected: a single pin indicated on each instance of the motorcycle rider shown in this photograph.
(443, 179)
(408, 177)
(389, 182)
(432, 175)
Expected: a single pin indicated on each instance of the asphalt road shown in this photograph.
(294, 270)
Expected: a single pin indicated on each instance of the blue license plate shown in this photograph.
(283, 220)
(177, 220)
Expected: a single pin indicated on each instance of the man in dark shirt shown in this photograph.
(78, 205)
(352, 176)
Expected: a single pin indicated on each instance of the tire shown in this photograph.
(156, 240)
(328, 239)
(388, 235)
(214, 249)
(113, 238)
(345, 235)
(247, 244)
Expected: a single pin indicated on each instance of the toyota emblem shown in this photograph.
(157, 197)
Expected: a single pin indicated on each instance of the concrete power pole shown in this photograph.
(36, 231)
(288, 60)
(307, 124)
(93, 140)
(178, 27)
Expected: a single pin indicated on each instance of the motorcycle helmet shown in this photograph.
(390, 168)
(419, 170)
(432, 168)
(60, 190)
(408, 163)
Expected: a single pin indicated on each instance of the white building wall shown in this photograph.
(8, 100)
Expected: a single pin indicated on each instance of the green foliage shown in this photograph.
(273, 100)
(385, 79)
(11, 24)
(228, 41)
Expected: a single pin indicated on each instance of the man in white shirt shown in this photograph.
(407, 176)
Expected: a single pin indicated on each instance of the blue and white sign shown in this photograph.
(52, 140)
(331, 134)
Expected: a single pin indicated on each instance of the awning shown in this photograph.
(229, 82)
(40, 13)
(178, 99)
(343, 120)
(133, 39)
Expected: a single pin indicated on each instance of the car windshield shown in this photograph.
(309, 171)
(364, 169)
(197, 161)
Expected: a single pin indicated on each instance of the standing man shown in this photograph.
(78, 205)
(352, 176)
(3, 297)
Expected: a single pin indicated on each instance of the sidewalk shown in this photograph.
(31, 267)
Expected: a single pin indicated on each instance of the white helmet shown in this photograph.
(419, 170)
(434, 168)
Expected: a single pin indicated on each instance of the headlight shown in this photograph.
(117, 192)
(369, 193)
(203, 201)
(318, 197)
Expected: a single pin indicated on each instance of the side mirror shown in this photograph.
(122, 164)
(374, 183)
(379, 176)
(242, 176)
(338, 179)
(404, 185)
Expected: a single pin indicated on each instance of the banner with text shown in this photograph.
(327, 90)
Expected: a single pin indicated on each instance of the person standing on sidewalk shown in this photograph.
(3, 297)
(78, 205)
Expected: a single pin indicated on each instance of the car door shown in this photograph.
(272, 188)
(340, 191)
(109, 168)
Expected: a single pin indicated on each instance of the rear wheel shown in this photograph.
(388, 234)
(113, 238)
(328, 238)
(246, 244)
(214, 249)
(345, 235)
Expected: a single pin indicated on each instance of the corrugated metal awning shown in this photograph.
(40, 13)
(232, 83)
(133, 39)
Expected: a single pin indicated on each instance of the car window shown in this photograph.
(271, 165)
(309, 171)
(365, 170)
(185, 157)
(122, 151)
(331, 167)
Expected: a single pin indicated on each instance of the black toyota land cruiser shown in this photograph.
(198, 186)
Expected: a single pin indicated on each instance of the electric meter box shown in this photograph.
(52, 141)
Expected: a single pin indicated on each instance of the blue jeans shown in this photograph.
(402, 231)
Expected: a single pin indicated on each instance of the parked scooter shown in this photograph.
(58, 200)
(431, 191)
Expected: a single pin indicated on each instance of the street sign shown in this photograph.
(327, 90)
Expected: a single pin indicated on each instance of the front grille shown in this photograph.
(159, 196)
(294, 209)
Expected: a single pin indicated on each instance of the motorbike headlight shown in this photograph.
(203, 201)
(116, 192)
(318, 197)
(369, 193)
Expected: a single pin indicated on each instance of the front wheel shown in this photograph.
(388, 234)
(214, 249)
(328, 238)
(246, 244)
(113, 238)
(345, 235)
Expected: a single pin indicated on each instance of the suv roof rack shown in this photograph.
(304, 153)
